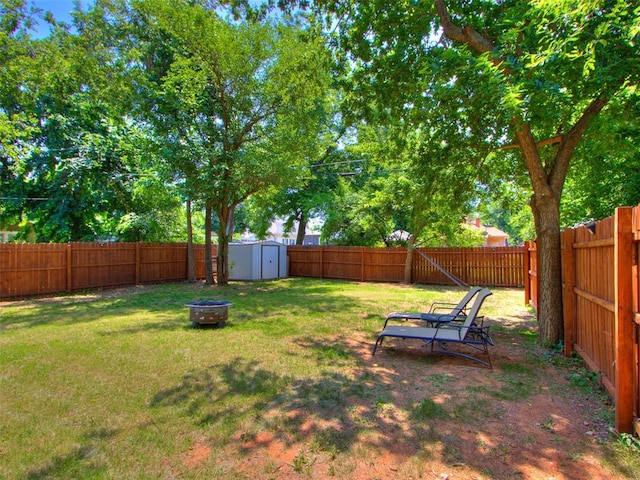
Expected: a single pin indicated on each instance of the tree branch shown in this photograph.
(541, 143)
(467, 36)
(570, 142)
(537, 174)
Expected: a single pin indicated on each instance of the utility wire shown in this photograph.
(39, 199)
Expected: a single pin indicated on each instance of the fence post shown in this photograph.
(321, 262)
(69, 283)
(568, 294)
(623, 331)
(535, 279)
(527, 279)
(362, 264)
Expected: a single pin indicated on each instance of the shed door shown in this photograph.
(270, 261)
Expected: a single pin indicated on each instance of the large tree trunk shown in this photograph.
(222, 262)
(191, 263)
(546, 214)
(545, 205)
(208, 256)
(408, 263)
(225, 234)
(302, 229)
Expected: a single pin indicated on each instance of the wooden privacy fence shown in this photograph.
(44, 269)
(499, 266)
(39, 269)
(601, 305)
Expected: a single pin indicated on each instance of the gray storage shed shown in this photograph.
(257, 261)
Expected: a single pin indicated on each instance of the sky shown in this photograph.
(61, 10)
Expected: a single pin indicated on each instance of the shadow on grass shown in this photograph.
(83, 462)
(252, 301)
(85, 311)
(333, 412)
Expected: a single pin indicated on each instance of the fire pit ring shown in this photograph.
(208, 312)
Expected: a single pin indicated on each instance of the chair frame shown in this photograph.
(471, 333)
(432, 317)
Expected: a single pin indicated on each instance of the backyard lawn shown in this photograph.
(117, 384)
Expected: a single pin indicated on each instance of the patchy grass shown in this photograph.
(117, 384)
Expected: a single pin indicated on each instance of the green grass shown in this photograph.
(427, 410)
(96, 386)
(120, 385)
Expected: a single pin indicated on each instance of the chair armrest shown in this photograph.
(386, 320)
(401, 316)
(440, 306)
(451, 326)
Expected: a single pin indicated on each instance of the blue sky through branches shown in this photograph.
(61, 10)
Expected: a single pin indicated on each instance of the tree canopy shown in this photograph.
(232, 101)
(525, 75)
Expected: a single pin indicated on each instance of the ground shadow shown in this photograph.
(82, 462)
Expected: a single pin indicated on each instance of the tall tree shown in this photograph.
(416, 188)
(539, 72)
(235, 96)
(80, 171)
(307, 194)
(18, 71)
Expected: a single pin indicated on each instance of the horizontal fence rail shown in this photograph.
(497, 266)
(42, 269)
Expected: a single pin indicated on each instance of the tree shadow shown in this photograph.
(397, 407)
(82, 462)
(332, 410)
(252, 301)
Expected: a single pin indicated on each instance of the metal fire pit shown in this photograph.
(208, 312)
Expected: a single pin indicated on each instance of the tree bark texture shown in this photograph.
(411, 245)
(302, 229)
(208, 257)
(225, 234)
(191, 262)
(546, 214)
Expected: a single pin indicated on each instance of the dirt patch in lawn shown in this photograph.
(406, 414)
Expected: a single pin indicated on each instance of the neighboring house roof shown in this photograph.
(495, 232)
(493, 235)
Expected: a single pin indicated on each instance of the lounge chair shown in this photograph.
(438, 312)
(471, 334)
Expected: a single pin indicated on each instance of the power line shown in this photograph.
(39, 199)
(336, 163)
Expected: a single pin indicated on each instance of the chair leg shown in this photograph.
(375, 347)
